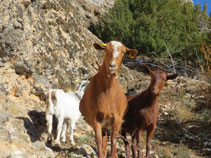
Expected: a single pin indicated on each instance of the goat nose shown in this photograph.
(113, 64)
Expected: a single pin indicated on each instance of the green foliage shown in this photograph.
(71, 155)
(117, 24)
(152, 26)
(83, 139)
(120, 141)
(182, 152)
(163, 152)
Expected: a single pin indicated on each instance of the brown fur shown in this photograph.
(142, 113)
(104, 102)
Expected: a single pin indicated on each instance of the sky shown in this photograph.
(201, 2)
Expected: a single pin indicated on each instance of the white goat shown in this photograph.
(65, 107)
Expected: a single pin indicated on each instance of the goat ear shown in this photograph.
(147, 69)
(131, 52)
(171, 77)
(99, 46)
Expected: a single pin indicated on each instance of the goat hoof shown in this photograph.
(49, 142)
(73, 143)
(57, 144)
(57, 147)
(63, 140)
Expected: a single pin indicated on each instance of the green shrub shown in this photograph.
(153, 26)
(182, 152)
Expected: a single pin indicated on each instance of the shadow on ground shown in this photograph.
(36, 125)
(196, 135)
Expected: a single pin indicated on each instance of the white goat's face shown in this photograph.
(82, 87)
(113, 54)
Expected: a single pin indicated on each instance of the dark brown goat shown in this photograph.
(142, 113)
(104, 103)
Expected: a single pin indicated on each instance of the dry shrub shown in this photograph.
(206, 50)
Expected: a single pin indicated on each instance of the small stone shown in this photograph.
(4, 135)
(17, 25)
(18, 154)
(156, 156)
(39, 144)
(26, 2)
(97, 12)
(165, 113)
(18, 93)
(86, 150)
(20, 20)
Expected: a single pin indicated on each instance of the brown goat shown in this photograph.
(104, 103)
(142, 112)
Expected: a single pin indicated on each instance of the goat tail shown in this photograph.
(51, 102)
(53, 98)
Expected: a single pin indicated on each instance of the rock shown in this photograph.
(43, 44)
(4, 88)
(39, 144)
(17, 25)
(18, 154)
(18, 93)
(86, 151)
(4, 135)
(26, 2)
(4, 117)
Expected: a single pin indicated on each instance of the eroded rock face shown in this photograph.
(18, 134)
(46, 38)
(43, 44)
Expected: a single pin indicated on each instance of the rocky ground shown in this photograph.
(46, 44)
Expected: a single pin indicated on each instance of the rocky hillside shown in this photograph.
(46, 44)
(43, 44)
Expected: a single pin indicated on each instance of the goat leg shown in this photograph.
(150, 133)
(115, 131)
(98, 133)
(49, 119)
(104, 144)
(59, 129)
(138, 137)
(134, 148)
(72, 127)
(63, 135)
(127, 146)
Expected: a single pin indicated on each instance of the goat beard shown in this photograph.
(109, 74)
(112, 74)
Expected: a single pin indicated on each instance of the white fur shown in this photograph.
(116, 45)
(65, 107)
(113, 62)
